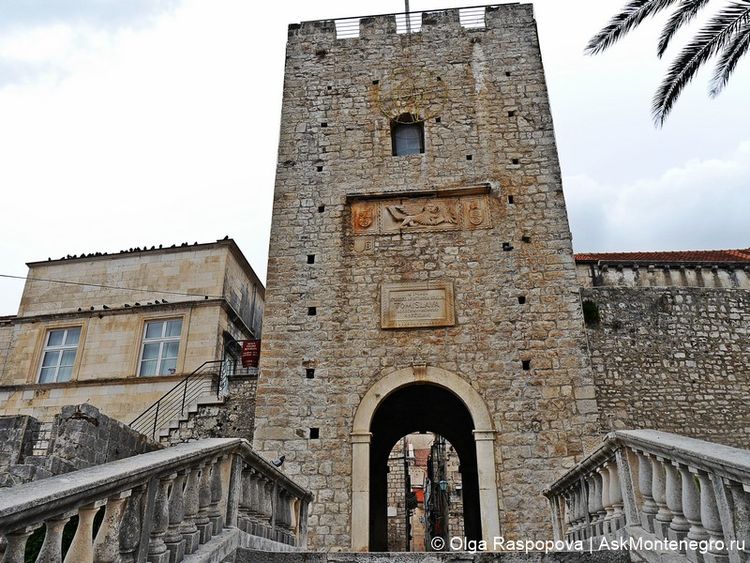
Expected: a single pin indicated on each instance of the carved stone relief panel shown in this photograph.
(404, 215)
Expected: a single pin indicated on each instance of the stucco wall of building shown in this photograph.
(673, 359)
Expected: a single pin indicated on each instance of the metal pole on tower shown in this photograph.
(408, 17)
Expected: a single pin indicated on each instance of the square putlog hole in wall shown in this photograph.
(310, 373)
(311, 258)
(312, 311)
(521, 299)
(526, 365)
(510, 199)
(321, 208)
(314, 433)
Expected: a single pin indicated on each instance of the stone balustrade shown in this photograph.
(156, 507)
(668, 497)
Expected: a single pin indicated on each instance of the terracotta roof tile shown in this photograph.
(691, 256)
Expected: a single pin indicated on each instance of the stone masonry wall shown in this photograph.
(16, 439)
(235, 418)
(80, 436)
(673, 359)
(516, 294)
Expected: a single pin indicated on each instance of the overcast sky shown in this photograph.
(140, 122)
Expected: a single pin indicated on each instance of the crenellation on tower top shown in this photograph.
(476, 18)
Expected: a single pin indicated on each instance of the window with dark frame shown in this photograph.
(407, 135)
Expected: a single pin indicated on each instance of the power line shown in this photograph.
(101, 286)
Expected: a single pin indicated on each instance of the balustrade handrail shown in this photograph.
(707, 456)
(691, 495)
(31, 503)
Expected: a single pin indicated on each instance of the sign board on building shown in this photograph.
(250, 353)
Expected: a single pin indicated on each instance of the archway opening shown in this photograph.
(413, 409)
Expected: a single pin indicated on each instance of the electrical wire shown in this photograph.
(101, 286)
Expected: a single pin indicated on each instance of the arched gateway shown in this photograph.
(444, 393)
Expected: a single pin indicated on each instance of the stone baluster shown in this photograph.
(591, 505)
(285, 500)
(202, 521)
(583, 507)
(281, 528)
(253, 500)
(659, 491)
(294, 511)
(568, 504)
(214, 510)
(710, 515)
(608, 508)
(691, 505)
(51, 550)
(107, 542)
(174, 539)
(191, 504)
(157, 549)
(595, 503)
(130, 529)
(243, 520)
(615, 496)
(81, 550)
(266, 487)
(679, 526)
(645, 488)
(741, 501)
(573, 502)
(15, 548)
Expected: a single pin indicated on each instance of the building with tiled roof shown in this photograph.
(682, 268)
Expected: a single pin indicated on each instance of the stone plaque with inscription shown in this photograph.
(416, 304)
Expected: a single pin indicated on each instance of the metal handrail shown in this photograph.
(179, 395)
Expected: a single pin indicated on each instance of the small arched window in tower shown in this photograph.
(407, 134)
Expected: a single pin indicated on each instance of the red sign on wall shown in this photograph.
(250, 353)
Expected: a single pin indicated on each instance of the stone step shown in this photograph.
(243, 555)
(192, 408)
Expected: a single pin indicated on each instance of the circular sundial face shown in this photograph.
(411, 94)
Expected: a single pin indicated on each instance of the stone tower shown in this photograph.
(421, 275)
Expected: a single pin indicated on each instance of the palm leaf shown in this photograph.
(685, 12)
(631, 15)
(729, 59)
(716, 34)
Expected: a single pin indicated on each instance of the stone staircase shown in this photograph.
(197, 421)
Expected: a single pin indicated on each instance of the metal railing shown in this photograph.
(209, 379)
(411, 22)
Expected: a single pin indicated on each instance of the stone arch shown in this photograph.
(484, 436)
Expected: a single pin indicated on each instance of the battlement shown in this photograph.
(474, 18)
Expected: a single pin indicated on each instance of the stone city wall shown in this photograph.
(672, 359)
(727, 276)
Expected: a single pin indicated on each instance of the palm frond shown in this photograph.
(729, 59)
(631, 15)
(714, 36)
(684, 13)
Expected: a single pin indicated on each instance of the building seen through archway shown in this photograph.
(425, 492)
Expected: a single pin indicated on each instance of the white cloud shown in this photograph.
(701, 204)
